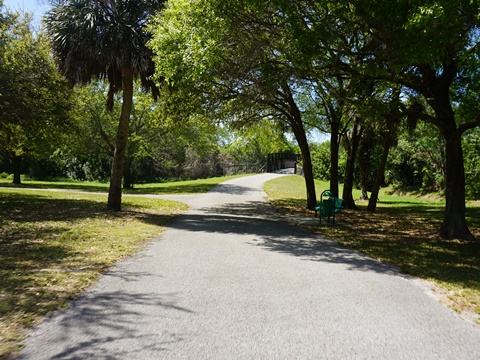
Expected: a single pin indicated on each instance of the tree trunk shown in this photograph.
(17, 169)
(295, 121)
(364, 192)
(365, 163)
(127, 174)
(301, 138)
(307, 169)
(115, 191)
(454, 223)
(379, 178)
(438, 96)
(348, 201)
(334, 145)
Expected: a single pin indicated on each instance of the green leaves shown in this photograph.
(96, 39)
(33, 98)
(185, 39)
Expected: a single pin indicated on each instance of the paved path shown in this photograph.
(232, 280)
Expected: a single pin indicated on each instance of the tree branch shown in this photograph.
(470, 125)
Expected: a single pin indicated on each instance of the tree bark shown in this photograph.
(17, 169)
(295, 120)
(437, 92)
(348, 201)
(454, 222)
(364, 161)
(127, 174)
(379, 178)
(334, 145)
(115, 191)
(307, 168)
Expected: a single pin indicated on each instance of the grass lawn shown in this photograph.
(402, 232)
(55, 244)
(179, 187)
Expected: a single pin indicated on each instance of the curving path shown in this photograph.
(231, 279)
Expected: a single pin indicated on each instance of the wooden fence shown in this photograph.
(280, 161)
(246, 168)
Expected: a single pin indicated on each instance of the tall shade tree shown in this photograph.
(430, 49)
(105, 39)
(33, 97)
(228, 57)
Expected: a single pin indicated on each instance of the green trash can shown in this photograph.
(327, 207)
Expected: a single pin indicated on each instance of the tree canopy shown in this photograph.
(34, 100)
(252, 58)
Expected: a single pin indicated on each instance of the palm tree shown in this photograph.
(106, 39)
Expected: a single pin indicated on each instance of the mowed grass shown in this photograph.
(402, 232)
(178, 187)
(54, 244)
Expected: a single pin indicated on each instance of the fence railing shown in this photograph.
(280, 161)
(246, 168)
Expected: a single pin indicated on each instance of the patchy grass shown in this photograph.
(91, 186)
(402, 232)
(181, 187)
(55, 244)
(177, 187)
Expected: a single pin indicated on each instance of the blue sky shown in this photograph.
(37, 7)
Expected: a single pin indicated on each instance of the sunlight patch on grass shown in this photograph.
(176, 187)
(181, 187)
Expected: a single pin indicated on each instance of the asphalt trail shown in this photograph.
(231, 279)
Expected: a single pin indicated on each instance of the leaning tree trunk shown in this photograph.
(295, 120)
(379, 178)
(307, 168)
(115, 191)
(454, 223)
(348, 201)
(17, 169)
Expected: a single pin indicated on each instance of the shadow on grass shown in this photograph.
(38, 238)
(408, 238)
(38, 208)
(28, 244)
(187, 187)
(62, 186)
(21, 260)
(292, 206)
(473, 220)
(407, 203)
(171, 188)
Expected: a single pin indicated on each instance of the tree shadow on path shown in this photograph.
(275, 232)
(106, 323)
